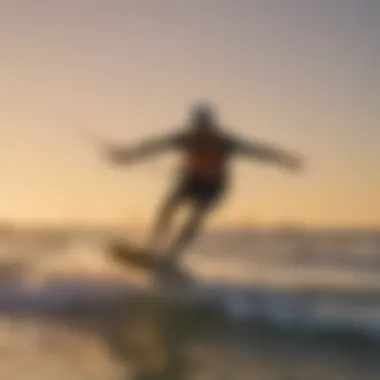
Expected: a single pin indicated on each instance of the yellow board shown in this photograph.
(163, 269)
(140, 258)
(127, 254)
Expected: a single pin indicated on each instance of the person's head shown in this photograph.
(203, 117)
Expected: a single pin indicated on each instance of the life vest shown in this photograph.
(206, 156)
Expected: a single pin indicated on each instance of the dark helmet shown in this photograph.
(202, 115)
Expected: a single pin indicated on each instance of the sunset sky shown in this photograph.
(303, 74)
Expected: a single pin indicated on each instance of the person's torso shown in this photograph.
(206, 156)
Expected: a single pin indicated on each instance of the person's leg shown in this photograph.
(189, 231)
(165, 216)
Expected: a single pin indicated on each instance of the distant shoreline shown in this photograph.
(285, 229)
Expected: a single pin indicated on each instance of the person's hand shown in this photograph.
(115, 155)
(292, 162)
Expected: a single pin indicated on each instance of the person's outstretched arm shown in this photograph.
(125, 155)
(266, 152)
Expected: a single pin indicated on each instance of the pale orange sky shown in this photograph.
(302, 74)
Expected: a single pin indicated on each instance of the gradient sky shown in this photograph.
(300, 73)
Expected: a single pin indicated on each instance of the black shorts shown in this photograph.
(206, 194)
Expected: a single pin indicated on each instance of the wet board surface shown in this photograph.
(136, 257)
(146, 260)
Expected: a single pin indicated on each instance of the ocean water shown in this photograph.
(263, 304)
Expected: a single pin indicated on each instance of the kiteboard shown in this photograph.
(161, 267)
